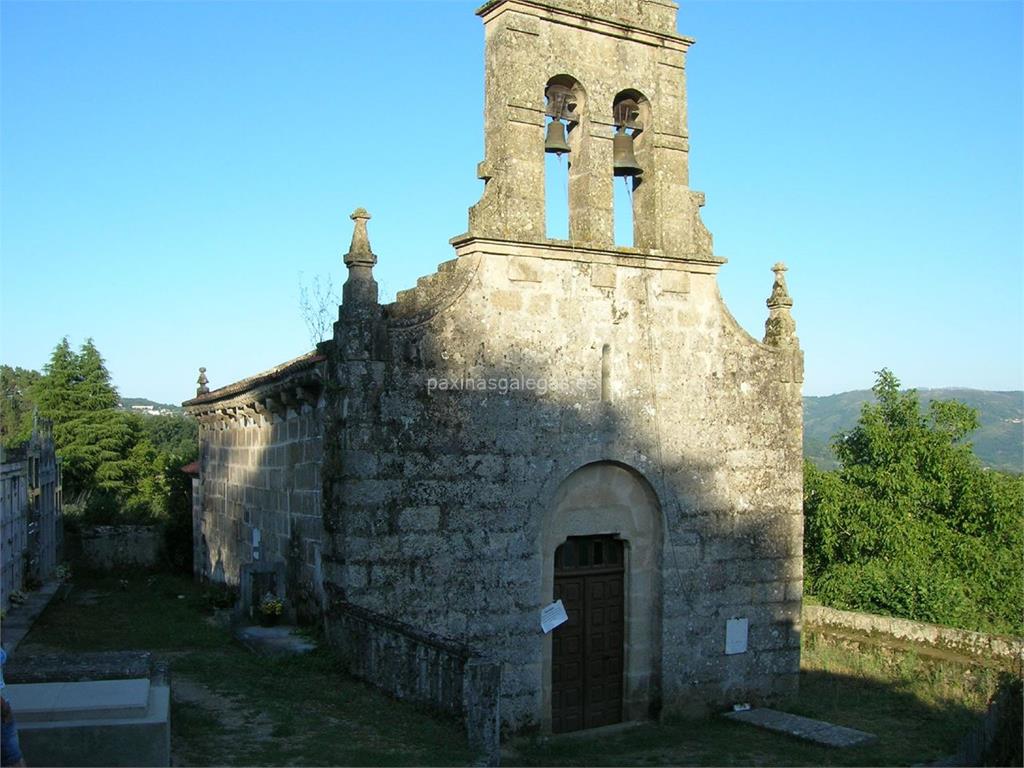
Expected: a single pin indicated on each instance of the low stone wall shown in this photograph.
(1004, 651)
(422, 667)
(107, 547)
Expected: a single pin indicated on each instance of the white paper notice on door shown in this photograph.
(552, 616)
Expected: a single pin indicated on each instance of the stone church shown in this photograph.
(539, 420)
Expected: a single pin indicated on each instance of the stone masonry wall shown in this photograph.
(109, 547)
(31, 512)
(13, 527)
(260, 499)
(438, 514)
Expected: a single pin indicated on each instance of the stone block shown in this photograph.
(362, 464)
(507, 300)
(602, 276)
(674, 281)
(769, 636)
(522, 269)
(419, 518)
(794, 590)
(540, 305)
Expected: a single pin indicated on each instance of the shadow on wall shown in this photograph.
(456, 439)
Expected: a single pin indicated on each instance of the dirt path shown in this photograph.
(228, 723)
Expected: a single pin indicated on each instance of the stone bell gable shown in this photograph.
(545, 420)
(597, 67)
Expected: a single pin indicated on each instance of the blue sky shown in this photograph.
(172, 171)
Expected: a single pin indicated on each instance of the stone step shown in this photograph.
(806, 728)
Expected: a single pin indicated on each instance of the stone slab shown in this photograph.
(139, 741)
(93, 700)
(274, 641)
(806, 728)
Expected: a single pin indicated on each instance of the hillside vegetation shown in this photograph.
(911, 524)
(998, 442)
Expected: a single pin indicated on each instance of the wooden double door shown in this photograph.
(587, 650)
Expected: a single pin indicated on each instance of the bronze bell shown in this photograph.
(555, 141)
(624, 160)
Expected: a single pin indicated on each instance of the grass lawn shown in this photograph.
(232, 707)
(918, 711)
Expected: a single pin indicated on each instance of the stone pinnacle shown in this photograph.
(359, 252)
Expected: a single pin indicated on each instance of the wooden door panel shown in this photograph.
(603, 654)
(587, 651)
(567, 673)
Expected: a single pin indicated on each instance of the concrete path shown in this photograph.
(20, 618)
(817, 731)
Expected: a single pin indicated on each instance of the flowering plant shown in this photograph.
(271, 605)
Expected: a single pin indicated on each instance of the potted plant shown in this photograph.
(270, 609)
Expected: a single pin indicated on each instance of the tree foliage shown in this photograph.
(117, 466)
(911, 524)
(17, 404)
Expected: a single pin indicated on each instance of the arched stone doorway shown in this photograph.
(608, 510)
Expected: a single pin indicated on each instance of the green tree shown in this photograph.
(94, 390)
(173, 434)
(911, 524)
(92, 437)
(17, 405)
(54, 390)
(118, 466)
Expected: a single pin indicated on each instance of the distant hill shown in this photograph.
(148, 407)
(999, 442)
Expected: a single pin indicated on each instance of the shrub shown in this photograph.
(911, 525)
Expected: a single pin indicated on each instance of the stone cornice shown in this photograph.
(564, 250)
(260, 397)
(578, 18)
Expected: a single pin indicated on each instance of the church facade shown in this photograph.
(540, 420)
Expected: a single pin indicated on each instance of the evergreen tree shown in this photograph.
(95, 390)
(53, 393)
(117, 466)
(92, 438)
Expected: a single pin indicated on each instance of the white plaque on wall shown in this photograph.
(736, 636)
